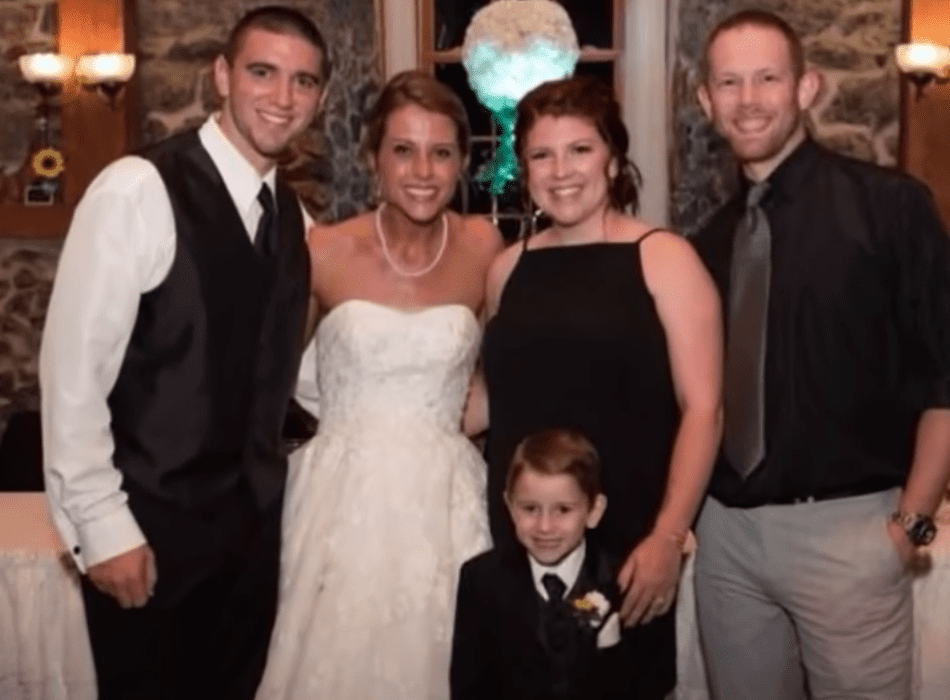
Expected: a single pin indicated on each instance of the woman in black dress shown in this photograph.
(601, 324)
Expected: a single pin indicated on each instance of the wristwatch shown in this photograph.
(920, 529)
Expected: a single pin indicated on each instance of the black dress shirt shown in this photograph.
(858, 338)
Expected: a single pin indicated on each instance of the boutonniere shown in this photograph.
(592, 608)
(595, 611)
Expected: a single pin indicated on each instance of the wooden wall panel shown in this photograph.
(926, 121)
(93, 132)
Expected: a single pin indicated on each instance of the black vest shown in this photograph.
(199, 403)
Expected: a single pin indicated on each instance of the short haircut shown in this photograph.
(757, 18)
(279, 20)
(413, 87)
(557, 451)
(590, 98)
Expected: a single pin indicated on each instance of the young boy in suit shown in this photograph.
(538, 621)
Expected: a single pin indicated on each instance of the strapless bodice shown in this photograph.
(380, 363)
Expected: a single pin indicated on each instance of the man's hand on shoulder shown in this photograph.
(129, 577)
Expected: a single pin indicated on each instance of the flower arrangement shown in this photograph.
(511, 47)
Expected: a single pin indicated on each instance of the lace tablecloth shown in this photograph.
(44, 650)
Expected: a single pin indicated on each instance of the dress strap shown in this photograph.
(648, 234)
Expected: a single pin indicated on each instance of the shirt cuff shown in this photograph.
(109, 536)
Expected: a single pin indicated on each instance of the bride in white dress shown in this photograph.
(388, 499)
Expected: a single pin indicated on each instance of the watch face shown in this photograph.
(922, 532)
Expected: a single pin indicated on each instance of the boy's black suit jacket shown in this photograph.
(497, 649)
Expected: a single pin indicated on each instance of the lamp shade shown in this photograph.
(923, 57)
(45, 67)
(94, 69)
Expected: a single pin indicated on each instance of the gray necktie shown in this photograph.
(744, 371)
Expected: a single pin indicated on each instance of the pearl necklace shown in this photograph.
(392, 263)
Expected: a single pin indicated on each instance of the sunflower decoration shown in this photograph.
(48, 162)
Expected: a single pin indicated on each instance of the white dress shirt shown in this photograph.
(120, 245)
(568, 569)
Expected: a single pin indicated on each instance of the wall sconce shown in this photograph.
(106, 72)
(924, 62)
(46, 72)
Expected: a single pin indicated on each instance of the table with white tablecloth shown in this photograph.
(44, 648)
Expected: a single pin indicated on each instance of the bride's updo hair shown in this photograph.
(421, 89)
(589, 98)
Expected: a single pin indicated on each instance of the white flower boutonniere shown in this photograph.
(594, 609)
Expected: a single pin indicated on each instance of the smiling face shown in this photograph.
(551, 514)
(418, 162)
(271, 91)
(754, 97)
(567, 169)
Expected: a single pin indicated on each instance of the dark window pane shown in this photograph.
(593, 22)
(603, 70)
(473, 196)
(592, 19)
(510, 228)
(455, 76)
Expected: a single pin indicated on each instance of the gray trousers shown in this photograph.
(805, 600)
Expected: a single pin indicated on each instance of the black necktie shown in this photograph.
(558, 633)
(265, 239)
(744, 370)
(554, 587)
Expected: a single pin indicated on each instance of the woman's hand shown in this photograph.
(649, 578)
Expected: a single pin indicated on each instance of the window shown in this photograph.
(599, 27)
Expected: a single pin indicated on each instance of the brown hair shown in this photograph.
(589, 98)
(279, 20)
(421, 89)
(557, 451)
(757, 18)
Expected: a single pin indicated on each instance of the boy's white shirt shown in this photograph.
(568, 569)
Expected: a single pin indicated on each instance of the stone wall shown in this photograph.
(177, 41)
(26, 278)
(26, 26)
(850, 41)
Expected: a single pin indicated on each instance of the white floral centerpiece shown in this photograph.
(511, 47)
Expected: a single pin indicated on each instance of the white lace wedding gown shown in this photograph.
(382, 508)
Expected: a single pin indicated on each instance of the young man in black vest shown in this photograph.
(171, 349)
(835, 277)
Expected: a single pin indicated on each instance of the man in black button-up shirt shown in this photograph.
(803, 563)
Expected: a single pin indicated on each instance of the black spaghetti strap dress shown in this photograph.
(577, 343)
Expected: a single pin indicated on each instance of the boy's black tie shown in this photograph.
(554, 587)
